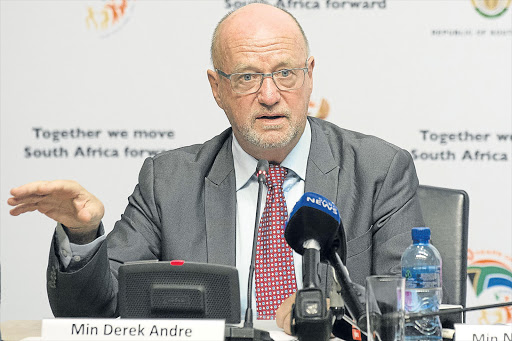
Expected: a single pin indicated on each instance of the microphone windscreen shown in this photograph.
(310, 199)
(313, 217)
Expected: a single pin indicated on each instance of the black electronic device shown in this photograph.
(179, 289)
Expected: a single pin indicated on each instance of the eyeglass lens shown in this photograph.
(251, 82)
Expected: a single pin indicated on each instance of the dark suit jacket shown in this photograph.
(184, 208)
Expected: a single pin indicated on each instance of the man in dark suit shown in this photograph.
(187, 202)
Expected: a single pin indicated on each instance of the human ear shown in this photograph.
(213, 78)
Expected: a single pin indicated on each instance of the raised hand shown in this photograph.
(64, 201)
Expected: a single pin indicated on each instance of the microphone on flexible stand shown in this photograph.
(417, 316)
(247, 332)
(448, 333)
(353, 294)
(261, 171)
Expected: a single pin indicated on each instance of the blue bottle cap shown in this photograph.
(420, 234)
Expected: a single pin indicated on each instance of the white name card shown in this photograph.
(469, 332)
(68, 329)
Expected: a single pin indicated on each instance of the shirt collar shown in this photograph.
(296, 160)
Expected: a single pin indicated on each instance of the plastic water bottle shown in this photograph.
(421, 267)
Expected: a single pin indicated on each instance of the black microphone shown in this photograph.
(312, 231)
(261, 172)
(317, 218)
(313, 218)
(247, 332)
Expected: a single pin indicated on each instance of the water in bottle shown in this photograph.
(421, 267)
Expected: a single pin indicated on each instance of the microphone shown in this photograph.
(261, 171)
(317, 219)
(313, 218)
(416, 316)
(312, 231)
(247, 332)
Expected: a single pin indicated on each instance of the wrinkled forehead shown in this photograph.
(260, 30)
(263, 49)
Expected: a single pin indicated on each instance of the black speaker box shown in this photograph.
(179, 289)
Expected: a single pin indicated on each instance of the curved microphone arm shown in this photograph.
(352, 294)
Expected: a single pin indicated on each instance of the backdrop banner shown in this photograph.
(90, 88)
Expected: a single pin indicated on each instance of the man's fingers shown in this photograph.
(62, 216)
(65, 201)
(65, 188)
(44, 202)
(287, 328)
(43, 207)
(65, 195)
(71, 187)
(30, 199)
(284, 311)
(29, 189)
(23, 208)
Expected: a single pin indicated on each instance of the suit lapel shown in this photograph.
(322, 178)
(322, 170)
(220, 207)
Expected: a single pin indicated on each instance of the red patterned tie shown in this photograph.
(275, 272)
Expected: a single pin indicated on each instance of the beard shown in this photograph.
(275, 138)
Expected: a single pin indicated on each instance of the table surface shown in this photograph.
(18, 330)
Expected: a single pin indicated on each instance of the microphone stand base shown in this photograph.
(246, 334)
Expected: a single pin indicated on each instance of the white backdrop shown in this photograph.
(434, 77)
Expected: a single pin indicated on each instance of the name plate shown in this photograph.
(468, 332)
(69, 329)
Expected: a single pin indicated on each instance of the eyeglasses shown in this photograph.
(249, 83)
